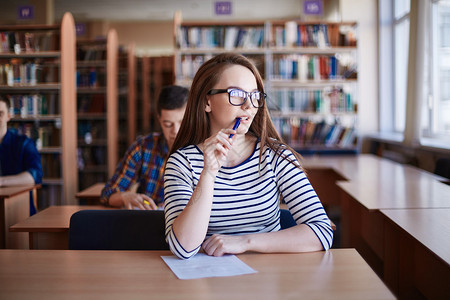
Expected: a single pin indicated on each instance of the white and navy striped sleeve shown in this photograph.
(178, 188)
(301, 199)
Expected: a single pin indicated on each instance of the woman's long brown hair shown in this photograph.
(195, 127)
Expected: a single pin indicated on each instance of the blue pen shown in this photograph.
(236, 125)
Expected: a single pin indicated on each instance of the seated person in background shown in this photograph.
(222, 187)
(20, 162)
(143, 162)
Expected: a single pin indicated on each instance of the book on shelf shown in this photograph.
(35, 105)
(326, 100)
(303, 132)
(304, 67)
(23, 41)
(228, 37)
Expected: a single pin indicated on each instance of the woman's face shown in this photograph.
(222, 114)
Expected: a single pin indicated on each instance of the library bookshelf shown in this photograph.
(37, 75)
(309, 71)
(154, 73)
(127, 97)
(97, 109)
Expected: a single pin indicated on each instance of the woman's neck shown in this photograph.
(242, 149)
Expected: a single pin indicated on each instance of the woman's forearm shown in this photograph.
(300, 238)
(23, 178)
(191, 226)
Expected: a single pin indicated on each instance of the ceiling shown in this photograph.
(157, 10)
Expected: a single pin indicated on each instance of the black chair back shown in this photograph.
(442, 167)
(117, 230)
(286, 219)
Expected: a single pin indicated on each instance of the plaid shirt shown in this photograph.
(143, 163)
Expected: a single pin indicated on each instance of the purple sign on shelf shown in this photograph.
(25, 12)
(223, 8)
(80, 29)
(312, 7)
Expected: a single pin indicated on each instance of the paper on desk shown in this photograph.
(203, 265)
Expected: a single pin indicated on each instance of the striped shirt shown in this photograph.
(143, 163)
(245, 201)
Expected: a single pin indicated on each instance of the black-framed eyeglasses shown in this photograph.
(238, 97)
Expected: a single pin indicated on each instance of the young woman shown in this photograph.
(223, 186)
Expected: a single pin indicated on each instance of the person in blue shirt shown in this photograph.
(20, 162)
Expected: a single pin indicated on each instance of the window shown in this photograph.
(436, 118)
(433, 19)
(401, 42)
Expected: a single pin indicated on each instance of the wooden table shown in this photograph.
(49, 228)
(91, 194)
(14, 207)
(417, 252)
(56, 274)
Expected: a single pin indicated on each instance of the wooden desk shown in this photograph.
(49, 229)
(363, 185)
(91, 194)
(362, 223)
(417, 252)
(14, 207)
(367, 167)
(51, 274)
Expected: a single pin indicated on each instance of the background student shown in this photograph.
(143, 162)
(222, 193)
(20, 162)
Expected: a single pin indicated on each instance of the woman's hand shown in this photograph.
(218, 244)
(216, 148)
(141, 201)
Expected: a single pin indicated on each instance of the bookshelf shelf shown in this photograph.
(38, 54)
(309, 70)
(311, 50)
(37, 118)
(280, 83)
(44, 106)
(50, 86)
(50, 150)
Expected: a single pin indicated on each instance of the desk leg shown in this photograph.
(49, 240)
(15, 209)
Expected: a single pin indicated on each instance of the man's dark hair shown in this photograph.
(172, 97)
(6, 101)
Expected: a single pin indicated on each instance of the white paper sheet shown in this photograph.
(203, 265)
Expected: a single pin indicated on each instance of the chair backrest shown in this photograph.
(442, 167)
(117, 230)
(286, 219)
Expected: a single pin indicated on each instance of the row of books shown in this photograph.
(50, 194)
(33, 105)
(28, 73)
(293, 34)
(305, 133)
(91, 156)
(89, 131)
(95, 103)
(21, 41)
(313, 67)
(228, 37)
(92, 53)
(51, 165)
(91, 78)
(190, 63)
(326, 100)
(44, 135)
